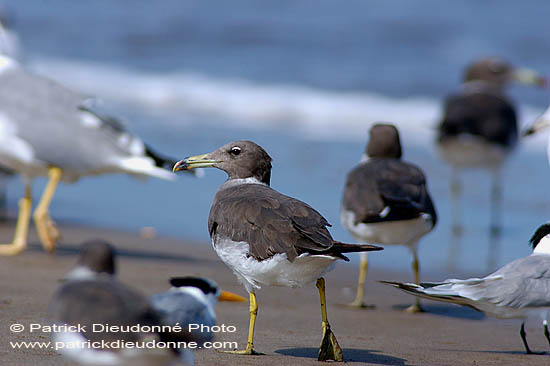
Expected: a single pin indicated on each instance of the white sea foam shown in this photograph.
(311, 112)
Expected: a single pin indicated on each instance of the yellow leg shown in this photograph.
(363, 265)
(22, 227)
(415, 308)
(47, 231)
(249, 350)
(329, 349)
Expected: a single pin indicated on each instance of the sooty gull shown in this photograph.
(386, 201)
(520, 289)
(479, 130)
(265, 237)
(92, 295)
(49, 130)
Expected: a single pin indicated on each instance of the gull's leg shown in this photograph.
(495, 229)
(249, 350)
(456, 233)
(47, 231)
(329, 349)
(22, 227)
(546, 332)
(524, 339)
(363, 265)
(415, 308)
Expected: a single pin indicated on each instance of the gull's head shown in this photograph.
(540, 241)
(239, 159)
(499, 72)
(384, 142)
(96, 258)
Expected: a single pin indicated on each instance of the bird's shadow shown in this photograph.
(451, 311)
(350, 355)
(72, 250)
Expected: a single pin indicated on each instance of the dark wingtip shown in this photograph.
(165, 162)
(540, 233)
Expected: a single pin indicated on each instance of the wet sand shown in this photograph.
(288, 324)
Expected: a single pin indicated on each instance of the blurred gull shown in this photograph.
(386, 201)
(520, 289)
(49, 130)
(479, 130)
(92, 295)
(92, 298)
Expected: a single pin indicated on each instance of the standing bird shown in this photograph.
(479, 130)
(268, 238)
(91, 299)
(520, 289)
(49, 130)
(386, 201)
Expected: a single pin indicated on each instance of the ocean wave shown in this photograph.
(311, 112)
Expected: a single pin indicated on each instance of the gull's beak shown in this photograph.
(528, 77)
(192, 162)
(540, 124)
(229, 296)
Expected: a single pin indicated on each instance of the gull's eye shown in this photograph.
(235, 150)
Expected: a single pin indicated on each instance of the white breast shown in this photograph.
(404, 232)
(275, 271)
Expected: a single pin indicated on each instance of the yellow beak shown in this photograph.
(198, 161)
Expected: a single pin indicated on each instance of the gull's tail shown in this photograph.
(438, 291)
(337, 249)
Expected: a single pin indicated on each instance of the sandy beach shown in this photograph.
(288, 324)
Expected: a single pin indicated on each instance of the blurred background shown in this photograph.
(304, 79)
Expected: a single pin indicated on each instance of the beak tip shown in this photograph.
(180, 165)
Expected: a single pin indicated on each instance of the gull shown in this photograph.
(479, 130)
(520, 289)
(268, 238)
(386, 201)
(92, 297)
(49, 130)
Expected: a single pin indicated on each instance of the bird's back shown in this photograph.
(484, 113)
(387, 189)
(268, 220)
(102, 302)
